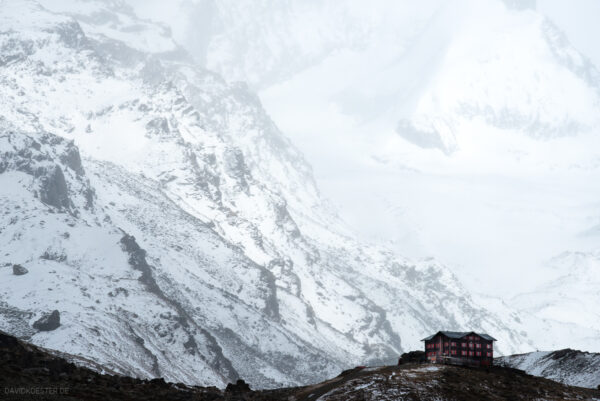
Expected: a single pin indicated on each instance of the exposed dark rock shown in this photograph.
(72, 159)
(142, 344)
(239, 387)
(71, 34)
(54, 189)
(190, 345)
(137, 260)
(271, 302)
(285, 220)
(237, 168)
(53, 255)
(89, 195)
(158, 126)
(117, 291)
(48, 322)
(19, 270)
(207, 179)
(412, 357)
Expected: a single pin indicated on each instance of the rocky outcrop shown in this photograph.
(412, 357)
(240, 386)
(54, 189)
(55, 165)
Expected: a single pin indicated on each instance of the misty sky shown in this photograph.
(460, 130)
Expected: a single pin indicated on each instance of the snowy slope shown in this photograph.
(473, 135)
(469, 128)
(550, 331)
(571, 367)
(570, 291)
(173, 226)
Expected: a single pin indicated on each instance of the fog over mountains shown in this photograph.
(445, 119)
(464, 131)
(153, 194)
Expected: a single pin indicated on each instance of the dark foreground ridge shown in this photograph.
(31, 373)
(28, 372)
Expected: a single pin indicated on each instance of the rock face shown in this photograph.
(54, 188)
(48, 322)
(19, 270)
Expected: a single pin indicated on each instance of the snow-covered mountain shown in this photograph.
(471, 127)
(433, 69)
(570, 292)
(571, 367)
(175, 229)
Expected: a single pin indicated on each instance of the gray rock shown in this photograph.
(72, 159)
(48, 322)
(19, 270)
(54, 189)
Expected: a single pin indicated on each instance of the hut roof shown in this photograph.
(460, 334)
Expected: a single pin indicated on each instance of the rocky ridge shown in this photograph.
(568, 366)
(26, 370)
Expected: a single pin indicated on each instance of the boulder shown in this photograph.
(48, 322)
(19, 270)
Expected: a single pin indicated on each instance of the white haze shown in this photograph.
(493, 201)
